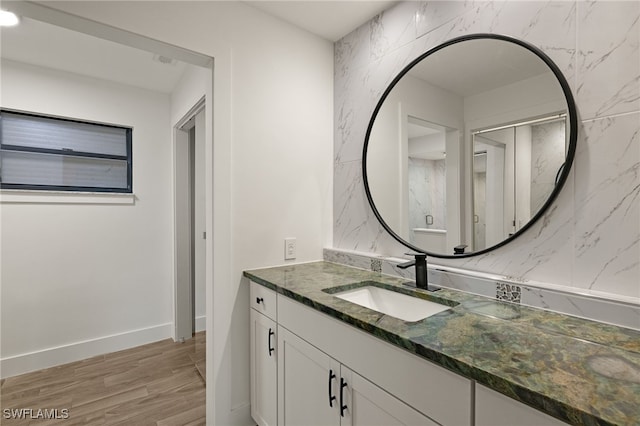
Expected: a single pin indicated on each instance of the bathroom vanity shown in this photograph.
(475, 137)
(317, 358)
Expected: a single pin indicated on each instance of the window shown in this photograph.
(54, 154)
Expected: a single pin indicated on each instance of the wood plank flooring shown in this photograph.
(156, 384)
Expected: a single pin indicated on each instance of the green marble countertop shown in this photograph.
(579, 371)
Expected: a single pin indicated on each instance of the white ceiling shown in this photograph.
(32, 42)
(479, 66)
(329, 19)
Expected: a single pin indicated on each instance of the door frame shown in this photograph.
(183, 231)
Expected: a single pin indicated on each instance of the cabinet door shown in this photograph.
(369, 405)
(495, 409)
(444, 396)
(308, 383)
(264, 384)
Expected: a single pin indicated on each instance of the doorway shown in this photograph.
(190, 228)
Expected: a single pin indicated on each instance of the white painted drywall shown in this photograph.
(78, 272)
(272, 174)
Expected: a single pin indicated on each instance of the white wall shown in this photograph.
(507, 104)
(72, 272)
(589, 240)
(271, 124)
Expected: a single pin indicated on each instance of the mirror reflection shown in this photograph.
(514, 170)
(467, 145)
(426, 176)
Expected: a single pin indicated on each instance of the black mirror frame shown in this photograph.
(566, 169)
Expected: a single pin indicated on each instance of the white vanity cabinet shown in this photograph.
(304, 383)
(310, 369)
(263, 355)
(312, 363)
(367, 404)
(405, 384)
(314, 389)
(495, 409)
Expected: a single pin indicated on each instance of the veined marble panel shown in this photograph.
(590, 307)
(608, 57)
(355, 225)
(392, 29)
(351, 119)
(607, 217)
(356, 95)
(620, 311)
(352, 52)
(588, 240)
(434, 14)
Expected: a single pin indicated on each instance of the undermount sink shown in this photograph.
(402, 306)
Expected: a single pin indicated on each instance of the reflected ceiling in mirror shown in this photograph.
(469, 145)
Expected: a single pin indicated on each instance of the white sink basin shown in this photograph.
(392, 303)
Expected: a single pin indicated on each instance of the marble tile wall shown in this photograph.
(589, 240)
(601, 308)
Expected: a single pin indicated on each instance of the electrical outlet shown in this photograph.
(289, 248)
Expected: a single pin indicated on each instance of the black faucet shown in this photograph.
(420, 263)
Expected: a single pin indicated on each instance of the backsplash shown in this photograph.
(589, 240)
(610, 311)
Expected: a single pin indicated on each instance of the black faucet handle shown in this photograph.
(406, 264)
(459, 249)
(419, 257)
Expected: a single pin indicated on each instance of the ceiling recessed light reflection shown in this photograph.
(8, 19)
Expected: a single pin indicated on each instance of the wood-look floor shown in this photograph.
(156, 384)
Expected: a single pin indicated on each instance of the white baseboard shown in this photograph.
(201, 323)
(50, 357)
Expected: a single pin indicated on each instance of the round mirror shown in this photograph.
(469, 145)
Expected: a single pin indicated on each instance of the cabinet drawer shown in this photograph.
(263, 300)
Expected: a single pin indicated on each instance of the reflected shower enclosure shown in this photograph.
(515, 168)
(426, 146)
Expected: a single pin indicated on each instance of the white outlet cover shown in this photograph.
(289, 248)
